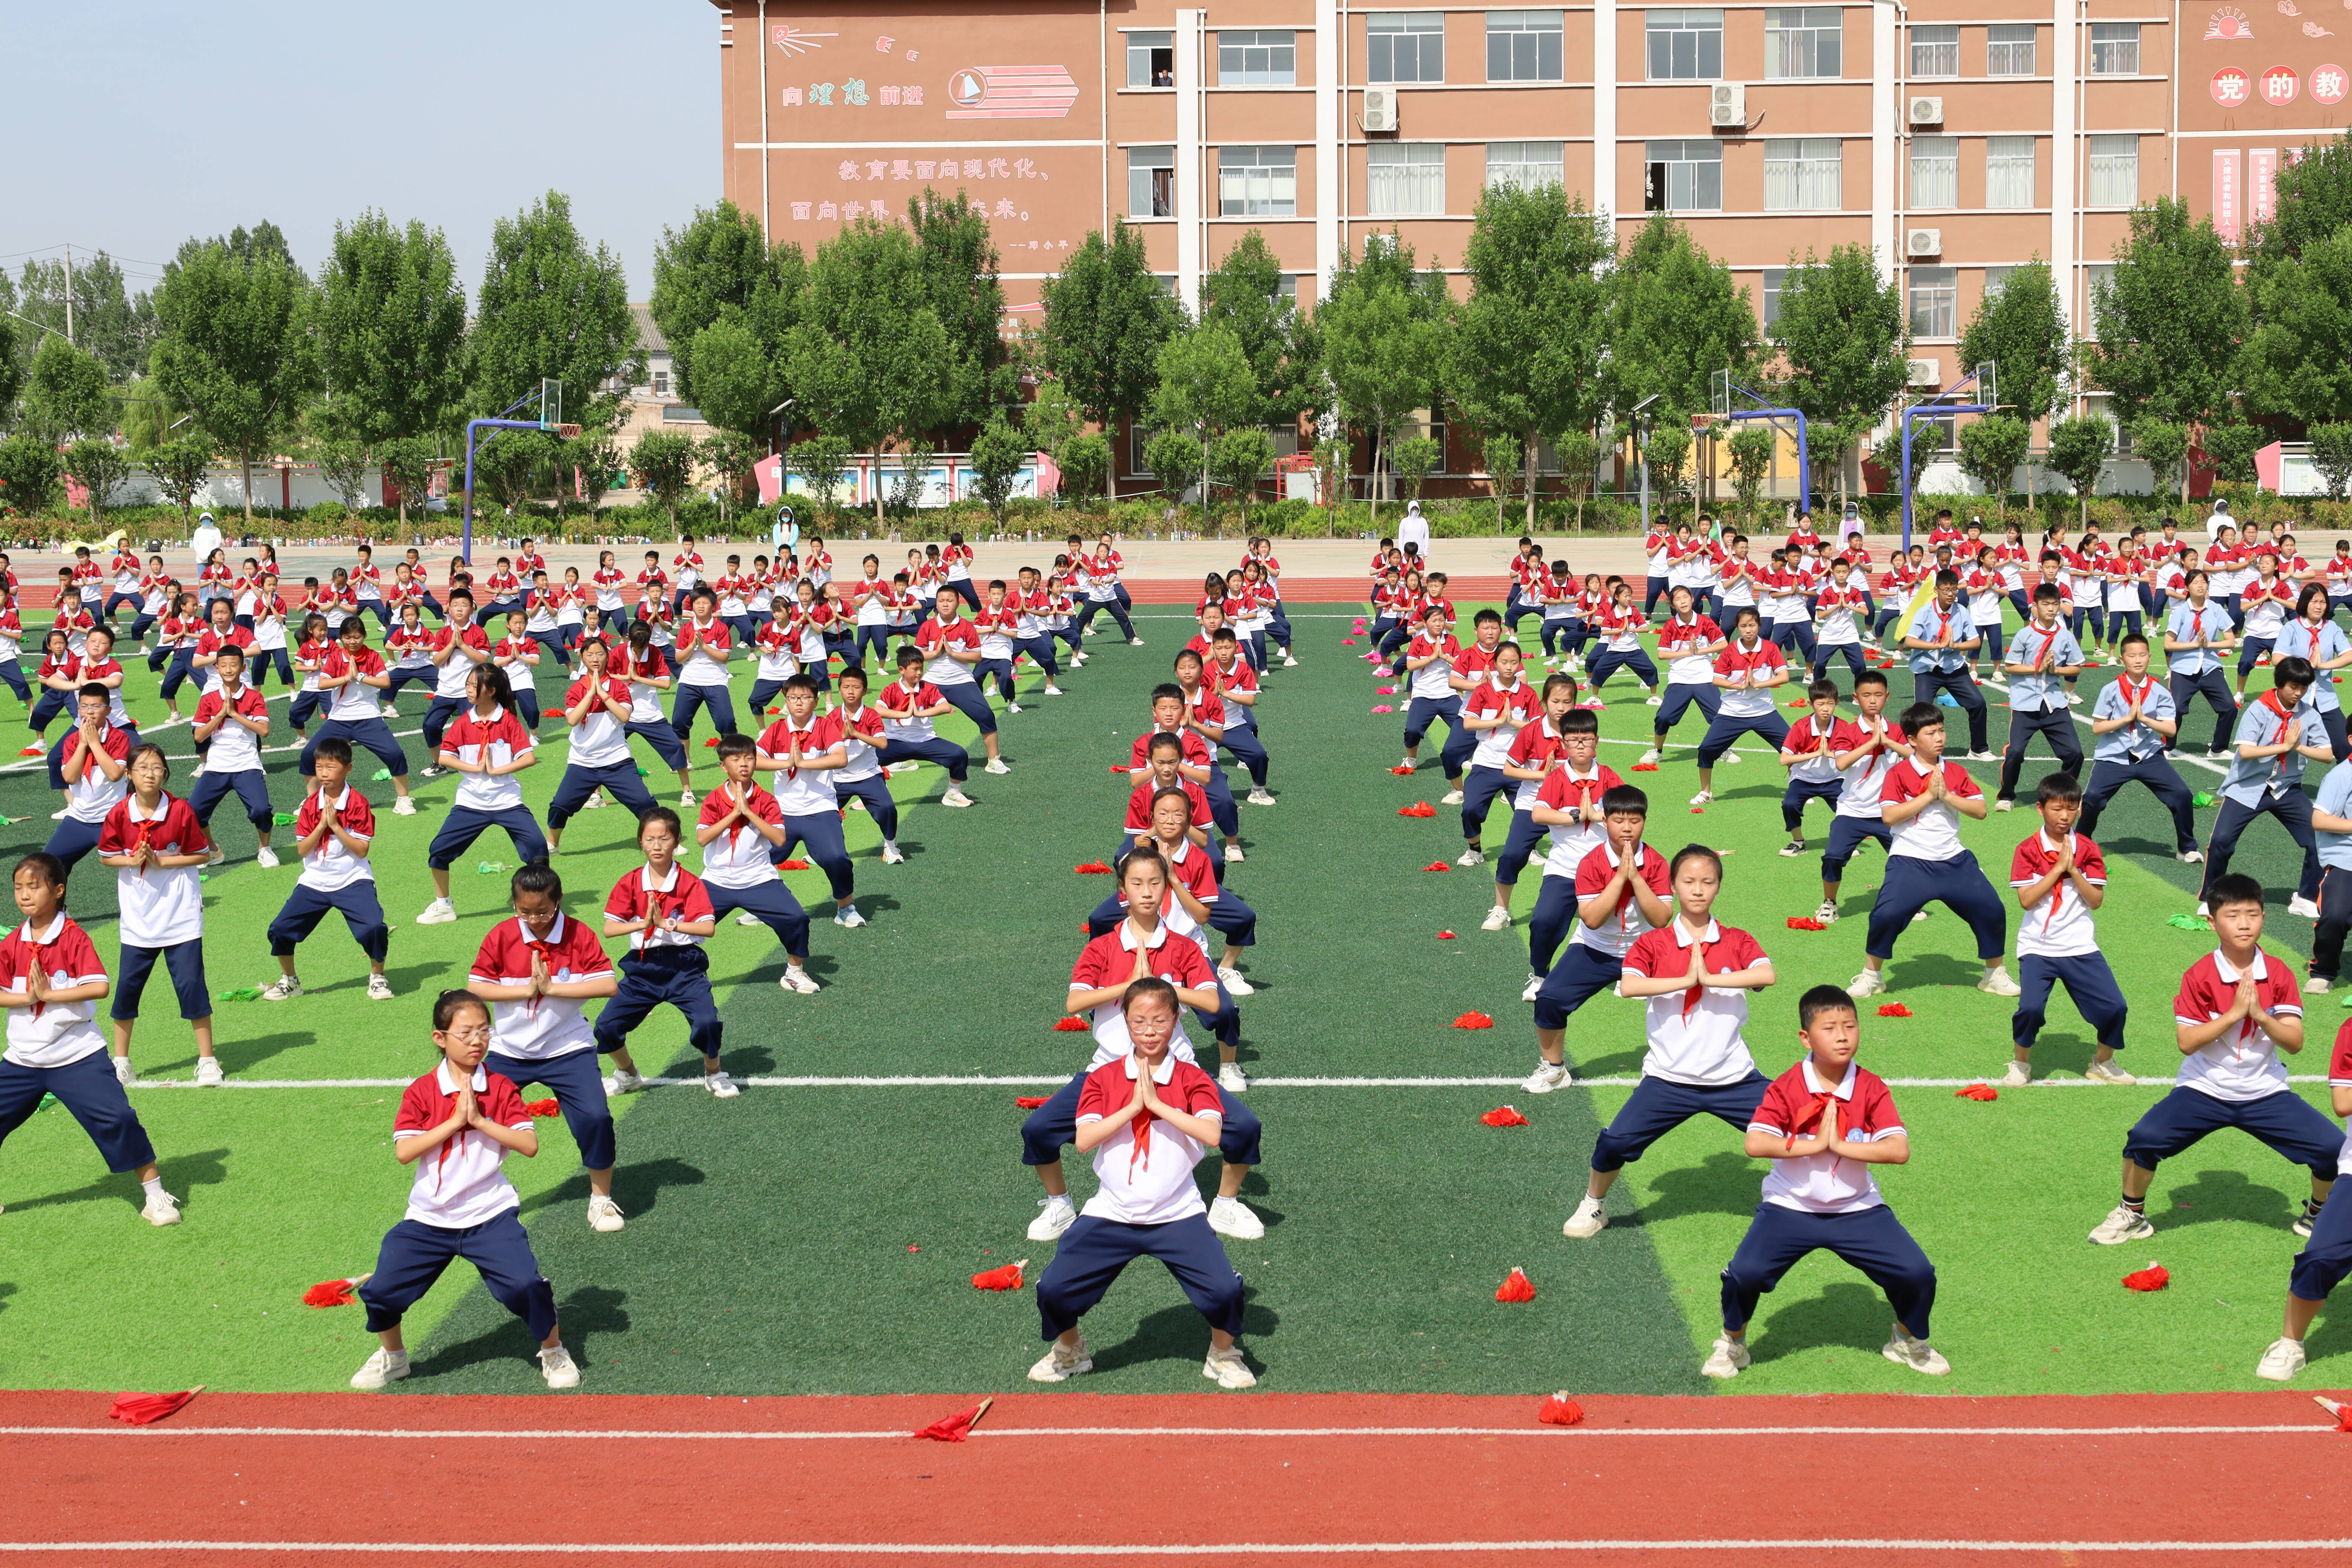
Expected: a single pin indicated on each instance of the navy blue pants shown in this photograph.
(1519, 847)
(184, 961)
(2055, 726)
(554, 644)
(999, 670)
(1926, 685)
(2250, 653)
(263, 657)
(2326, 1258)
(651, 976)
(437, 715)
(967, 697)
(88, 1089)
(763, 692)
(1547, 927)
(1723, 728)
(936, 751)
(1424, 712)
(2284, 1123)
(1093, 1252)
(2214, 688)
(820, 832)
(2108, 776)
(252, 787)
(71, 839)
(2293, 809)
(1055, 1123)
(13, 675)
(665, 740)
(306, 907)
(620, 780)
(775, 904)
(1222, 812)
(878, 638)
(1871, 1240)
(413, 1255)
(880, 804)
(178, 669)
(1959, 884)
(1656, 1107)
(1241, 740)
(1382, 628)
(1563, 633)
(1117, 611)
(1480, 787)
(2335, 921)
(1228, 917)
(1795, 641)
(1823, 653)
(2090, 984)
(299, 711)
(1681, 700)
(461, 825)
(1802, 793)
(1607, 662)
(579, 1094)
(692, 699)
(1846, 835)
(364, 734)
(1582, 973)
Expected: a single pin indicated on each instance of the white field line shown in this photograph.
(1017, 1082)
(450, 1434)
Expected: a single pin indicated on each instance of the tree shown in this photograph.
(511, 463)
(2079, 448)
(1525, 351)
(1507, 473)
(2312, 203)
(2331, 454)
(2298, 360)
(1666, 452)
(107, 321)
(98, 466)
(1383, 334)
(1888, 452)
(2168, 317)
(1054, 418)
(1205, 382)
(739, 380)
(720, 267)
(2230, 449)
(997, 453)
(959, 271)
(28, 474)
(552, 308)
(914, 460)
(1676, 318)
(408, 462)
(730, 454)
(2020, 328)
(1333, 456)
(1751, 449)
(180, 468)
(344, 464)
(1990, 451)
(592, 457)
(1843, 339)
(868, 353)
(233, 345)
(1237, 460)
(1578, 451)
(11, 375)
(1178, 460)
(1085, 464)
(1417, 457)
(1243, 296)
(822, 464)
(391, 326)
(2165, 445)
(662, 463)
(66, 395)
(1104, 318)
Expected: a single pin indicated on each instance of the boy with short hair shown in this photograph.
(351, 674)
(1809, 751)
(2277, 732)
(2133, 722)
(231, 723)
(2040, 655)
(456, 1125)
(487, 747)
(332, 830)
(2061, 879)
(907, 705)
(950, 642)
(742, 835)
(1823, 1123)
(1942, 638)
(2237, 1008)
(804, 749)
(1621, 897)
(95, 762)
(1429, 656)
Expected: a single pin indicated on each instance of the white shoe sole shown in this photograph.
(1048, 1226)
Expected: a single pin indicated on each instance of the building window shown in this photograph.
(1802, 43)
(1257, 182)
(1935, 51)
(1288, 288)
(1404, 179)
(1257, 59)
(1522, 45)
(1151, 59)
(1935, 301)
(1404, 45)
(1935, 171)
(2009, 50)
(1684, 176)
(1774, 278)
(1151, 182)
(2009, 171)
(1802, 173)
(1529, 165)
(2115, 49)
(1996, 278)
(1685, 45)
(2114, 171)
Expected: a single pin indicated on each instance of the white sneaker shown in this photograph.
(595, 801)
(1657, 702)
(893, 855)
(431, 771)
(161, 1209)
(1548, 1076)
(745, 918)
(1054, 1216)
(2121, 1225)
(208, 1072)
(620, 1081)
(1260, 797)
(1235, 985)
(285, 988)
(1471, 857)
(387, 710)
(1647, 758)
(1228, 1370)
(404, 805)
(2204, 912)
(2281, 1361)
(1794, 848)
(847, 917)
(902, 767)
(1409, 761)
(1052, 691)
(1535, 984)
(721, 1086)
(1061, 1362)
(1012, 708)
(378, 989)
(1703, 797)
(1497, 919)
(555, 1365)
(1917, 1354)
(58, 815)
(1587, 1221)
(603, 1213)
(2190, 856)
(1866, 984)
(219, 856)
(1288, 662)
(123, 1072)
(1826, 912)
(1728, 1359)
(2315, 986)
(265, 857)
(1734, 758)
(2017, 1074)
(1232, 853)
(1135, 642)
(2299, 905)
(1231, 1079)
(1997, 983)
(2108, 1072)
(382, 1367)
(686, 797)
(2004, 805)
(997, 765)
(795, 978)
(955, 797)
(1450, 797)
(2303, 1222)
(439, 912)
(1231, 1216)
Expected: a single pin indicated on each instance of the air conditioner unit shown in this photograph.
(1922, 372)
(1923, 242)
(1379, 109)
(1726, 108)
(1927, 111)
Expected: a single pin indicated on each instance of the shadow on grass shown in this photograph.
(1723, 1183)
(584, 1316)
(2217, 1195)
(637, 1188)
(1846, 1314)
(181, 1173)
(243, 1056)
(1178, 1333)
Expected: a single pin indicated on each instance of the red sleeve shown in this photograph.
(622, 902)
(2093, 864)
(1957, 778)
(1139, 806)
(714, 807)
(1087, 973)
(1200, 1096)
(188, 833)
(1093, 1099)
(2284, 990)
(1654, 871)
(583, 951)
(1774, 1112)
(2190, 1000)
(415, 1114)
(2339, 1068)
(1592, 873)
(1192, 970)
(1644, 955)
(2021, 868)
(696, 905)
(112, 839)
(1898, 787)
(503, 1102)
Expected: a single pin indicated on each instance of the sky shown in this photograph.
(131, 128)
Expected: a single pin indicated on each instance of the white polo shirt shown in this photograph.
(1146, 1167)
(160, 906)
(1696, 1040)
(543, 1027)
(499, 740)
(598, 741)
(51, 1034)
(451, 678)
(802, 790)
(330, 867)
(1824, 1184)
(234, 749)
(459, 1184)
(1565, 789)
(1616, 935)
(2244, 1063)
(738, 857)
(1934, 832)
(1866, 781)
(2059, 926)
(707, 663)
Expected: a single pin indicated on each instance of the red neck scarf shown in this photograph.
(1691, 998)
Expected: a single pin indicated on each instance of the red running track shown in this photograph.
(331, 1478)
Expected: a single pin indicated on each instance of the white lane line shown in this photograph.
(1247, 1549)
(449, 1433)
(1023, 1081)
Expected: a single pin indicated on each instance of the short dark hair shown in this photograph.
(1919, 715)
(1870, 677)
(1625, 800)
(801, 680)
(334, 748)
(849, 671)
(2131, 638)
(2046, 591)
(2292, 670)
(664, 815)
(1695, 852)
(1823, 999)
(1827, 687)
(94, 688)
(1150, 986)
(1166, 690)
(909, 653)
(1142, 854)
(142, 748)
(1171, 793)
(737, 744)
(1165, 741)
(538, 877)
(52, 869)
(1578, 721)
(2059, 788)
(2237, 887)
(1946, 576)
(1486, 617)
(449, 1003)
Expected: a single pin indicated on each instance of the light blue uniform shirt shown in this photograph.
(2259, 724)
(2298, 642)
(2336, 800)
(1929, 625)
(2033, 693)
(2133, 742)
(2184, 627)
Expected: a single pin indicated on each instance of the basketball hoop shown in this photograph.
(566, 432)
(1702, 423)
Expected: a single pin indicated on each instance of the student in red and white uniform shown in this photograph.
(1809, 751)
(71, 616)
(653, 587)
(51, 981)
(860, 778)
(1823, 1123)
(517, 655)
(734, 592)
(1840, 611)
(1031, 607)
(543, 609)
(127, 573)
(158, 590)
(907, 706)
(1430, 658)
(1696, 974)
(740, 831)
(12, 641)
(487, 746)
(58, 676)
(459, 647)
(1172, 714)
(1538, 746)
(410, 647)
(1688, 642)
(333, 830)
(1620, 893)
(222, 628)
(870, 600)
(93, 758)
(88, 583)
(231, 724)
(1269, 589)
(456, 1124)
(597, 707)
(1864, 752)
(1922, 803)
(502, 591)
(2060, 878)
(1494, 711)
(778, 642)
(538, 971)
(802, 750)
(666, 913)
(1105, 592)
(1657, 547)
(1748, 673)
(2264, 605)
(949, 644)
(705, 644)
(607, 580)
(1569, 804)
(351, 678)
(686, 567)
(816, 564)
(156, 844)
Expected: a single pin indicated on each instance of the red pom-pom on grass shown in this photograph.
(1560, 1410)
(1515, 1289)
(1699, 810)
(1402, 772)
(792, 865)
(1474, 1021)
(1893, 1010)
(1437, 865)
(1645, 767)
(1417, 808)
(1005, 1279)
(1066, 1025)
(1029, 1101)
(1346, 642)
(542, 1107)
(1383, 708)
(2155, 1276)
(1445, 936)
(1091, 869)
(1976, 1091)
(956, 1427)
(146, 1409)
(712, 742)
(1805, 923)
(332, 1293)
(1505, 1116)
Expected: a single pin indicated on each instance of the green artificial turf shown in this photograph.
(769, 1240)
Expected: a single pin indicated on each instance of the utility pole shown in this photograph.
(69, 337)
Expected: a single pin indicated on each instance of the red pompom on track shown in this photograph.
(1560, 1410)
(1437, 865)
(1417, 808)
(146, 1409)
(542, 1107)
